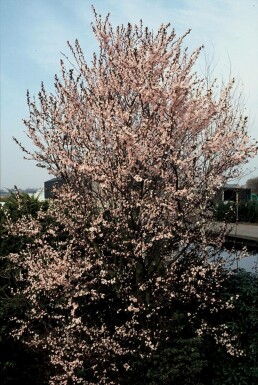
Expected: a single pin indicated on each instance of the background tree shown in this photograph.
(253, 184)
(142, 144)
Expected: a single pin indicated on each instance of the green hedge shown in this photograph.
(247, 212)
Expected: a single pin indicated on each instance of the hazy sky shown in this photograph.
(34, 33)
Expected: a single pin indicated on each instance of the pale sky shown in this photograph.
(34, 33)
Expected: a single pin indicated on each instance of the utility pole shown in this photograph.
(237, 205)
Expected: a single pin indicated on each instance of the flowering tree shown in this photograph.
(142, 143)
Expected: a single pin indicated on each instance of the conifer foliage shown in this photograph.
(142, 143)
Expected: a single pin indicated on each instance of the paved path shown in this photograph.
(242, 234)
(244, 230)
